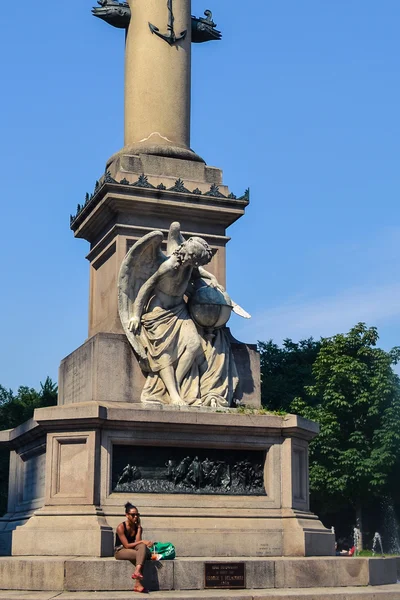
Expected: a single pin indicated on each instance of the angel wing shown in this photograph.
(240, 311)
(140, 263)
(175, 238)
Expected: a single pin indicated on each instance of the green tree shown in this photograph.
(286, 370)
(14, 410)
(356, 400)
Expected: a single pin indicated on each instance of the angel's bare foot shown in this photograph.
(168, 376)
(178, 401)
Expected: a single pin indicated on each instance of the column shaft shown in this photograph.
(157, 77)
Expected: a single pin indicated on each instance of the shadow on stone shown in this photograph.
(156, 576)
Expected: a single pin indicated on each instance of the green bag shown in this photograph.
(163, 550)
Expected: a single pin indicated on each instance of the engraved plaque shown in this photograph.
(225, 575)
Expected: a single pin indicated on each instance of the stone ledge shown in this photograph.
(281, 574)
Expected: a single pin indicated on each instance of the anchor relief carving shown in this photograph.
(170, 37)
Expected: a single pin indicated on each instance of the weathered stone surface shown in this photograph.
(161, 169)
(113, 575)
(27, 595)
(260, 574)
(103, 369)
(64, 531)
(110, 575)
(321, 572)
(382, 571)
(32, 573)
(247, 360)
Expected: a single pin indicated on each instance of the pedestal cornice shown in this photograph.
(111, 199)
(183, 419)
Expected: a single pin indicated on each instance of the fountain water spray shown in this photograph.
(357, 539)
(391, 527)
(377, 544)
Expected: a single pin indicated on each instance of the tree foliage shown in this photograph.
(14, 410)
(348, 386)
(286, 371)
(356, 400)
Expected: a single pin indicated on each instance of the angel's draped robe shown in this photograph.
(211, 378)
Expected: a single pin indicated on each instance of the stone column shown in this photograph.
(157, 80)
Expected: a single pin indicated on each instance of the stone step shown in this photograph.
(85, 574)
(385, 592)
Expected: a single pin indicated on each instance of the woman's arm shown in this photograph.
(124, 541)
(139, 532)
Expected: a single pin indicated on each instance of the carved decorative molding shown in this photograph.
(143, 182)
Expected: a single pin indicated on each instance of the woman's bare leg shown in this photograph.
(141, 554)
(137, 556)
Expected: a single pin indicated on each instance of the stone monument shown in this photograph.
(147, 405)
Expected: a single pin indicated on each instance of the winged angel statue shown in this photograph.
(173, 311)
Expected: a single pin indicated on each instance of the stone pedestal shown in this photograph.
(80, 507)
(105, 369)
(127, 204)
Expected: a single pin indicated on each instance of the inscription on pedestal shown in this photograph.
(224, 576)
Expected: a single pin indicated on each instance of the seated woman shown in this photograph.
(130, 546)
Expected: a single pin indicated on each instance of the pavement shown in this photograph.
(384, 592)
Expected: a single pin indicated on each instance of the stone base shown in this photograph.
(158, 150)
(227, 530)
(102, 575)
(8, 523)
(62, 471)
(105, 369)
(64, 531)
(163, 169)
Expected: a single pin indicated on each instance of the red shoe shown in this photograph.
(137, 576)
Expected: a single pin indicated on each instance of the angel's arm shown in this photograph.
(211, 279)
(143, 297)
(197, 274)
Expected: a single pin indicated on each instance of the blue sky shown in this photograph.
(300, 101)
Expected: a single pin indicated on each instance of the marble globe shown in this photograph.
(210, 307)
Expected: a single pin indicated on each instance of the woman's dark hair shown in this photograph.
(128, 507)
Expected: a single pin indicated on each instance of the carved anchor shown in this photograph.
(169, 37)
